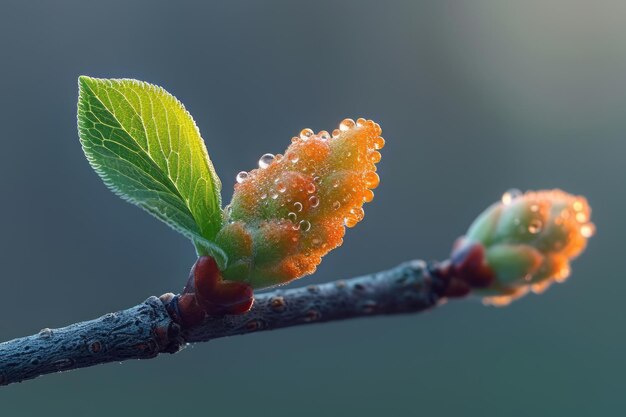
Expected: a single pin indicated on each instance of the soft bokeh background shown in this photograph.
(474, 98)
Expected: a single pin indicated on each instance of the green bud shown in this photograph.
(529, 240)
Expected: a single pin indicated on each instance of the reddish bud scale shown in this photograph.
(293, 210)
(468, 265)
(207, 293)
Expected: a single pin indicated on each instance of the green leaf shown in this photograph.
(147, 149)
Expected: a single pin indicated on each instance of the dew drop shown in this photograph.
(324, 135)
(350, 221)
(305, 225)
(372, 179)
(336, 133)
(535, 226)
(310, 188)
(314, 201)
(581, 217)
(295, 139)
(346, 124)
(510, 195)
(263, 196)
(281, 187)
(293, 157)
(316, 242)
(266, 160)
(379, 143)
(242, 176)
(360, 121)
(358, 213)
(587, 230)
(540, 287)
(298, 206)
(274, 196)
(336, 205)
(578, 205)
(305, 134)
(375, 157)
(45, 333)
(368, 196)
(293, 217)
(562, 274)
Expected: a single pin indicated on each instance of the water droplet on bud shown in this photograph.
(305, 134)
(375, 157)
(578, 205)
(346, 124)
(535, 226)
(293, 158)
(314, 201)
(305, 225)
(266, 160)
(379, 143)
(372, 179)
(358, 213)
(350, 221)
(242, 176)
(324, 135)
(587, 230)
(510, 195)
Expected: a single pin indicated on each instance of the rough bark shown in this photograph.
(145, 330)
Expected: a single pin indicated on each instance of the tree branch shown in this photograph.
(145, 330)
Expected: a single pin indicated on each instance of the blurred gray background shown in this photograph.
(474, 98)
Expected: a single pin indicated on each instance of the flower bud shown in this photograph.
(527, 242)
(293, 209)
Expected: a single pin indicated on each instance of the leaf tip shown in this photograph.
(84, 80)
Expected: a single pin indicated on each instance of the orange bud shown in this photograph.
(293, 209)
